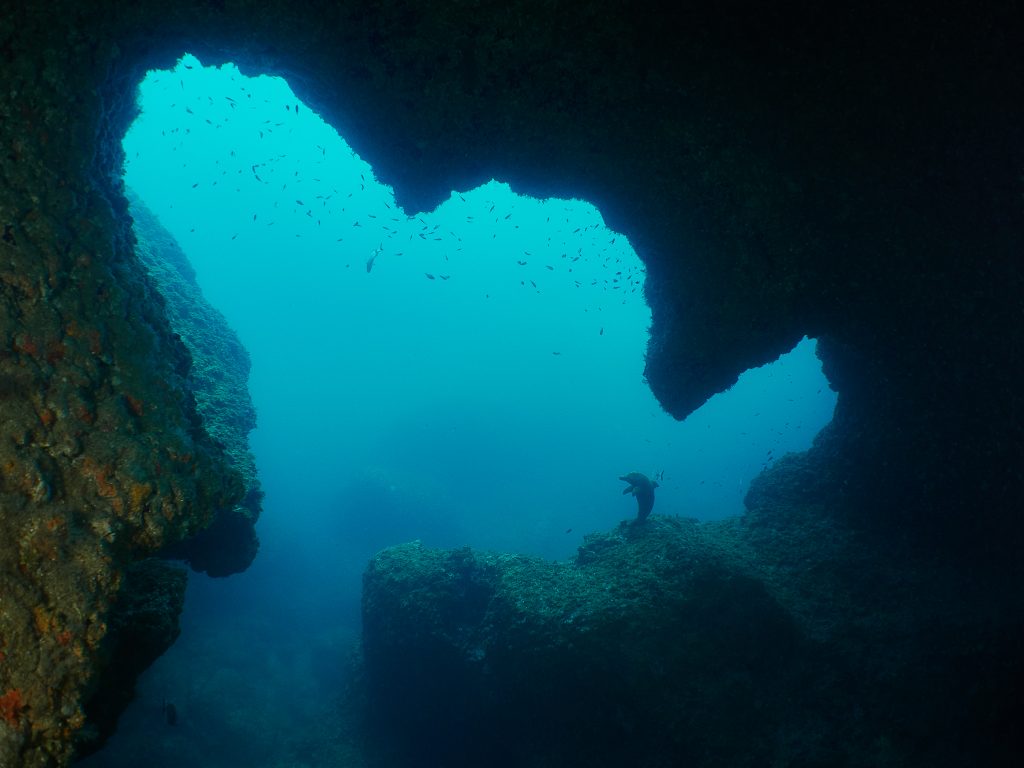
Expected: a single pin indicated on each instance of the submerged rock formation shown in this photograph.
(852, 174)
(219, 377)
(654, 648)
(104, 459)
(782, 638)
(143, 624)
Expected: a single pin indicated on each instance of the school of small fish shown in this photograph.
(301, 180)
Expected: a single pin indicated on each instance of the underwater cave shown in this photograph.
(776, 183)
(496, 411)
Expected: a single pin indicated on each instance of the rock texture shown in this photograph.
(103, 458)
(143, 624)
(783, 638)
(852, 174)
(219, 378)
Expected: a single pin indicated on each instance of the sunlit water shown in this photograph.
(469, 375)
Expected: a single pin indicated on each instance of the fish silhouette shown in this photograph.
(170, 713)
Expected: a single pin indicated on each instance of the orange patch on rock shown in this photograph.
(101, 476)
(11, 706)
(25, 345)
(134, 404)
(47, 417)
(84, 414)
(42, 620)
(138, 494)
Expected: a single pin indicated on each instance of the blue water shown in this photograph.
(468, 375)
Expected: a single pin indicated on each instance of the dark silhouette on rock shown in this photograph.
(642, 487)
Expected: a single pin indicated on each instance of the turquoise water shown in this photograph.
(468, 375)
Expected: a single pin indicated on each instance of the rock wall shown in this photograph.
(853, 174)
(103, 457)
(143, 624)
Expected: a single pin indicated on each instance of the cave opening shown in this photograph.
(470, 375)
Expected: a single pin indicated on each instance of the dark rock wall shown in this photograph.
(103, 457)
(219, 378)
(786, 637)
(143, 624)
(655, 646)
(851, 174)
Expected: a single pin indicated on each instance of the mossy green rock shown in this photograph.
(786, 637)
(219, 377)
(655, 641)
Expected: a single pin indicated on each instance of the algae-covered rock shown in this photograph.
(785, 637)
(219, 376)
(657, 641)
(103, 457)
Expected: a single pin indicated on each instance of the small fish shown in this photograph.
(429, 276)
(170, 713)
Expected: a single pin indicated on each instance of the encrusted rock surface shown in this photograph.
(653, 644)
(143, 624)
(782, 638)
(219, 377)
(852, 173)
